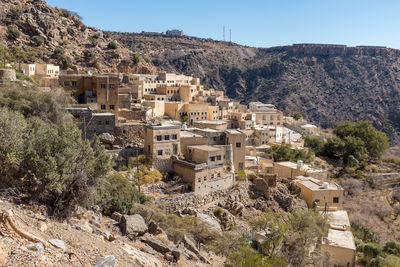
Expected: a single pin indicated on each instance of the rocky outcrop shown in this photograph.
(132, 225)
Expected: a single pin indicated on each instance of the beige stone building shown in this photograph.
(340, 247)
(161, 142)
(204, 169)
(326, 196)
(238, 141)
(216, 125)
(271, 117)
(291, 170)
(46, 74)
(191, 139)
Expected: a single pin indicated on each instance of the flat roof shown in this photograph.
(309, 126)
(217, 122)
(293, 165)
(103, 114)
(339, 238)
(232, 131)
(315, 184)
(189, 134)
(163, 126)
(205, 148)
(338, 218)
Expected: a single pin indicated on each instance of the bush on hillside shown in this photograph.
(297, 116)
(315, 143)
(241, 175)
(135, 58)
(37, 40)
(287, 153)
(119, 194)
(13, 33)
(15, 13)
(42, 153)
(112, 45)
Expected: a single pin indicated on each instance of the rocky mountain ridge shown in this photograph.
(326, 83)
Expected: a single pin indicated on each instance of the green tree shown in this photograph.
(375, 141)
(297, 116)
(392, 247)
(315, 143)
(286, 153)
(119, 194)
(245, 257)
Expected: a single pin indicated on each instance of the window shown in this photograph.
(219, 174)
(272, 117)
(103, 107)
(99, 122)
(215, 138)
(107, 122)
(264, 118)
(174, 136)
(159, 152)
(166, 137)
(238, 144)
(159, 137)
(199, 179)
(73, 83)
(66, 83)
(103, 86)
(241, 166)
(219, 157)
(212, 158)
(111, 86)
(112, 107)
(175, 149)
(212, 176)
(335, 200)
(205, 178)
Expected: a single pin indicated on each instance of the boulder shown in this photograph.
(107, 138)
(107, 261)
(116, 216)
(169, 257)
(210, 221)
(157, 245)
(132, 225)
(36, 247)
(139, 258)
(154, 229)
(58, 243)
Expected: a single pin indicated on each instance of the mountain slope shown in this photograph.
(326, 83)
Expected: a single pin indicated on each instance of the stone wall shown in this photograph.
(7, 75)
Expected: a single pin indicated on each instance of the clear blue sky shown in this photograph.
(261, 23)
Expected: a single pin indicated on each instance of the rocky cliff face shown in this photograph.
(63, 35)
(326, 83)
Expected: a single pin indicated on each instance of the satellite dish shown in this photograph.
(90, 72)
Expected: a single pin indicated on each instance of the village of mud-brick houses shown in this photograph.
(198, 136)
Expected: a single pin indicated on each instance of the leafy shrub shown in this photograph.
(13, 33)
(218, 211)
(112, 45)
(371, 251)
(241, 175)
(47, 159)
(246, 256)
(15, 13)
(392, 247)
(38, 40)
(96, 35)
(297, 116)
(364, 233)
(315, 143)
(58, 52)
(65, 61)
(119, 194)
(286, 153)
(135, 58)
(89, 54)
(65, 12)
